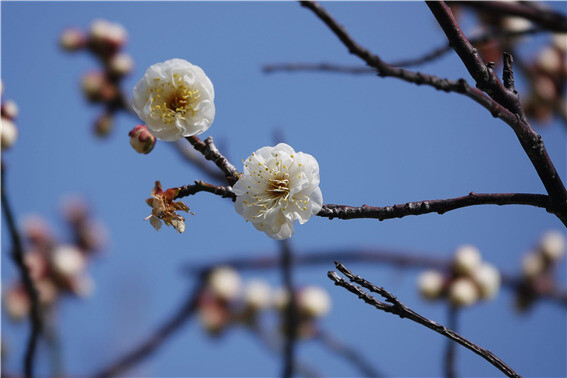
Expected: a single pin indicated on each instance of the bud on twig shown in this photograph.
(141, 139)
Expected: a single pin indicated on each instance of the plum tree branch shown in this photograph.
(394, 306)
(17, 254)
(210, 151)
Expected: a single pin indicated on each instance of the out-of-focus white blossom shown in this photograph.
(467, 259)
(8, 133)
(83, 285)
(68, 261)
(225, 283)
(258, 295)
(549, 60)
(462, 292)
(175, 99)
(552, 245)
(17, 303)
(112, 34)
(278, 187)
(533, 265)
(313, 302)
(121, 64)
(430, 284)
(46, 290)
(560, 41)
(487, 278)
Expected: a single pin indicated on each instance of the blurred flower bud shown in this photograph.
(257, 295)
(121, 64)
(225, 283)
(549, 60)
(141, 139)
(104, 125)
(37, 232)
(544, 88)
(37, 264)
(92, 84)
(17, 303)
(68, 261)
(552, 245)
(47, 291)
(467, 260)
(8, 134)
(280, 298)
(9, 110)
(462, 292)
(82, 285)
(1, 87)
(107, 35)
(560, 41)
(313, 302)
(533, 265)
(487, 277)
(431, 284)
(72, 39)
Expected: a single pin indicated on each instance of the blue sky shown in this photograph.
(377, 141)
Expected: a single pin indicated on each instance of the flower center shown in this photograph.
(173, 100)
(278, 185)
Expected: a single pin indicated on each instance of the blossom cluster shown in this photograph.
(228, 301)
(469, 280)
(9, 131)
(538, 267)
(105, 41)
(57, 268)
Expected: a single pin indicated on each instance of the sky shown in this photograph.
(378, 142)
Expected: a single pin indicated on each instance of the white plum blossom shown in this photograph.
(175, 99)
(225, 283)
(313, 302)
(463, 292)
(552, 245)
(487, 278)
(278, 187)
(430, 284)
(467, 259)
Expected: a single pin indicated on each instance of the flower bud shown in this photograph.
(313, 302)
(72, 39)
(431, 284)
(37, 264)
(8, 133)
(549, 60)
(467, 260)
(257, 295)
(462, 292)
(107, 35)
(213, 316)
(552, 245)
(47, 291)
(121, 64)
(9, 109)
(82, 285)
(560, 41)
(533, 265)
(225, 283)
(92, 84)
(141, 139)
(17, 303)
(487, 278)
(68, 261)
(104, 125)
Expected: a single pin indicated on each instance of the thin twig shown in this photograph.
(351, 355)
(291, 316)
(210, 151)
(545, 18)
(201, 186)
(35, 316)
(156, 339)
(398, 308)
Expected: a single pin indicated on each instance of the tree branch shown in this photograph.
(398, 308)
(201, 186)
(35, 316)
(487, 81)
(210, 151)
(155, 340)
(545, 18)
(434, 206)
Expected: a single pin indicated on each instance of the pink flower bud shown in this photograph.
(72, 39)
(9, 110)
(9, 133)
(141, 139)
(92, 84)
(107, 37)
(17, 303)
